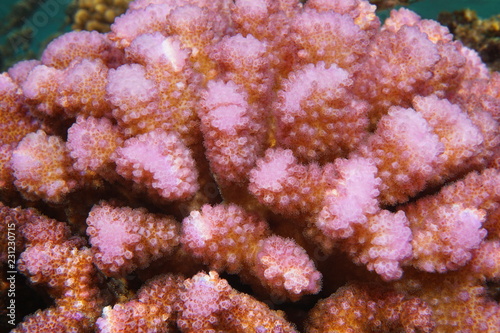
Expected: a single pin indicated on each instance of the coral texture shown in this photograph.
(123, 239)
(253, 166)
(227, 237)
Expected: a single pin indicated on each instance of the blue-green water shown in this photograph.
(50, 17)
(27, 25)
(430, 9)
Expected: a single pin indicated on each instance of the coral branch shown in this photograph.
(227, 237)
(123, 238)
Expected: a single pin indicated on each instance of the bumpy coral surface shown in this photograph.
(97, 14)
(124, 239)
(362, 308)
(227, 237)
(253, 166)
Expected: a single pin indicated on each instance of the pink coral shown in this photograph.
(222, 236)
(315, 102)
(227, 237)
(233, 131)
(485, 259)
(284, 185)
(383, 245)
(161, 162)
(31, 228)
(363, 308)
(330, 37)
(406, 152)
(82, 90)
(303, 145)
(42, 167)
(459, 135)
(210, 303)
(167, 64)
(15, 123)
(459, 233)
(246, 62)
(282, 264)
(153, 308)
(120, 242)
(20, 71)
(66, 270)
(91, 142)
(198, 27)
(130, 25)
(390, 75)
(457, 302)
(362, 12)
(71, 277)
(448, 226)
(351, 200)
(79, 45)
(133, 96)
(40, 88)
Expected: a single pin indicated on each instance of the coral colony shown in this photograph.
(253, 166)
